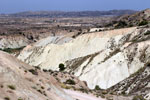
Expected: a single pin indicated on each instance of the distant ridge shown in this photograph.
(136, 19)
(72, 13)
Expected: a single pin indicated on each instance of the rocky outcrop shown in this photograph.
(102, 58)
(19, 81)
(137, 84)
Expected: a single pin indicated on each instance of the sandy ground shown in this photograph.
(81, 96)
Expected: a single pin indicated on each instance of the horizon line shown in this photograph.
(67, 11)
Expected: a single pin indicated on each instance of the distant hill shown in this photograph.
(72, 14)
(136, 19)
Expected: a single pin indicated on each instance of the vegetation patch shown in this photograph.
(65, 86)
(6, 98)
(71, 82)
(12, 50)
(20, 99)
(97, 87)
(61, 67)
(144, 22)
(12, 87)
(33, 71)
(83, 90)
(121, 24)
(137, 97)
(147, 33)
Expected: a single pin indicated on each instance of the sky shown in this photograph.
(13, 6)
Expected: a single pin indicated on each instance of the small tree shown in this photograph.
(97, 87)
(61, 67)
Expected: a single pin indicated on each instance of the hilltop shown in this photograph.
(136, 19)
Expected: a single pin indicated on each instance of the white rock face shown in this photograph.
(51, 55)
(53, 40)
(103, 58)
(13, 42)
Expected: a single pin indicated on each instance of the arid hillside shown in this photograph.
(19, 81)
(75, 58)
(137, 19)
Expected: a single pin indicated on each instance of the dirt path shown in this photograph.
(81, 96)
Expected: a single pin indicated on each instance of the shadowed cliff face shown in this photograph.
(102, 58)
(21, 81)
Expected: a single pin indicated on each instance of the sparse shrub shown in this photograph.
(50, 71)
(20, 99)
(44, 70)
(61, 67)
(121, 24)
(124, 93)
(12, 50)
(33, 87)
(137, 97)
(25, 71)
(83, 90)
(104, 92)
(70, 30)
(40, 91)
(42, 87)
(130, 25)
(71, 82)
(65, 86)
(33, 71)
(97, 87)
(79, 33)
(12, 87)
(144, 22)
(37, 67)
(6, 98)
(1, 86)
(102, 96)
(147, 33)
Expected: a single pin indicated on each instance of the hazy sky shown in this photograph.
(11, 6)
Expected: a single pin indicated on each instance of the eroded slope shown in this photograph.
(103, 58)
(19, 81)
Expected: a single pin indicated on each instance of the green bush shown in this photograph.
(6, 98)
(45, 70)
(121, 24)
(33, 71)
(37, 67)
(20, 99)
(12, 87)
(71, 82)
(97, 87)
(137, 97)
(83, 90)
(12, 50)
(61, 67)
(144, 22)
